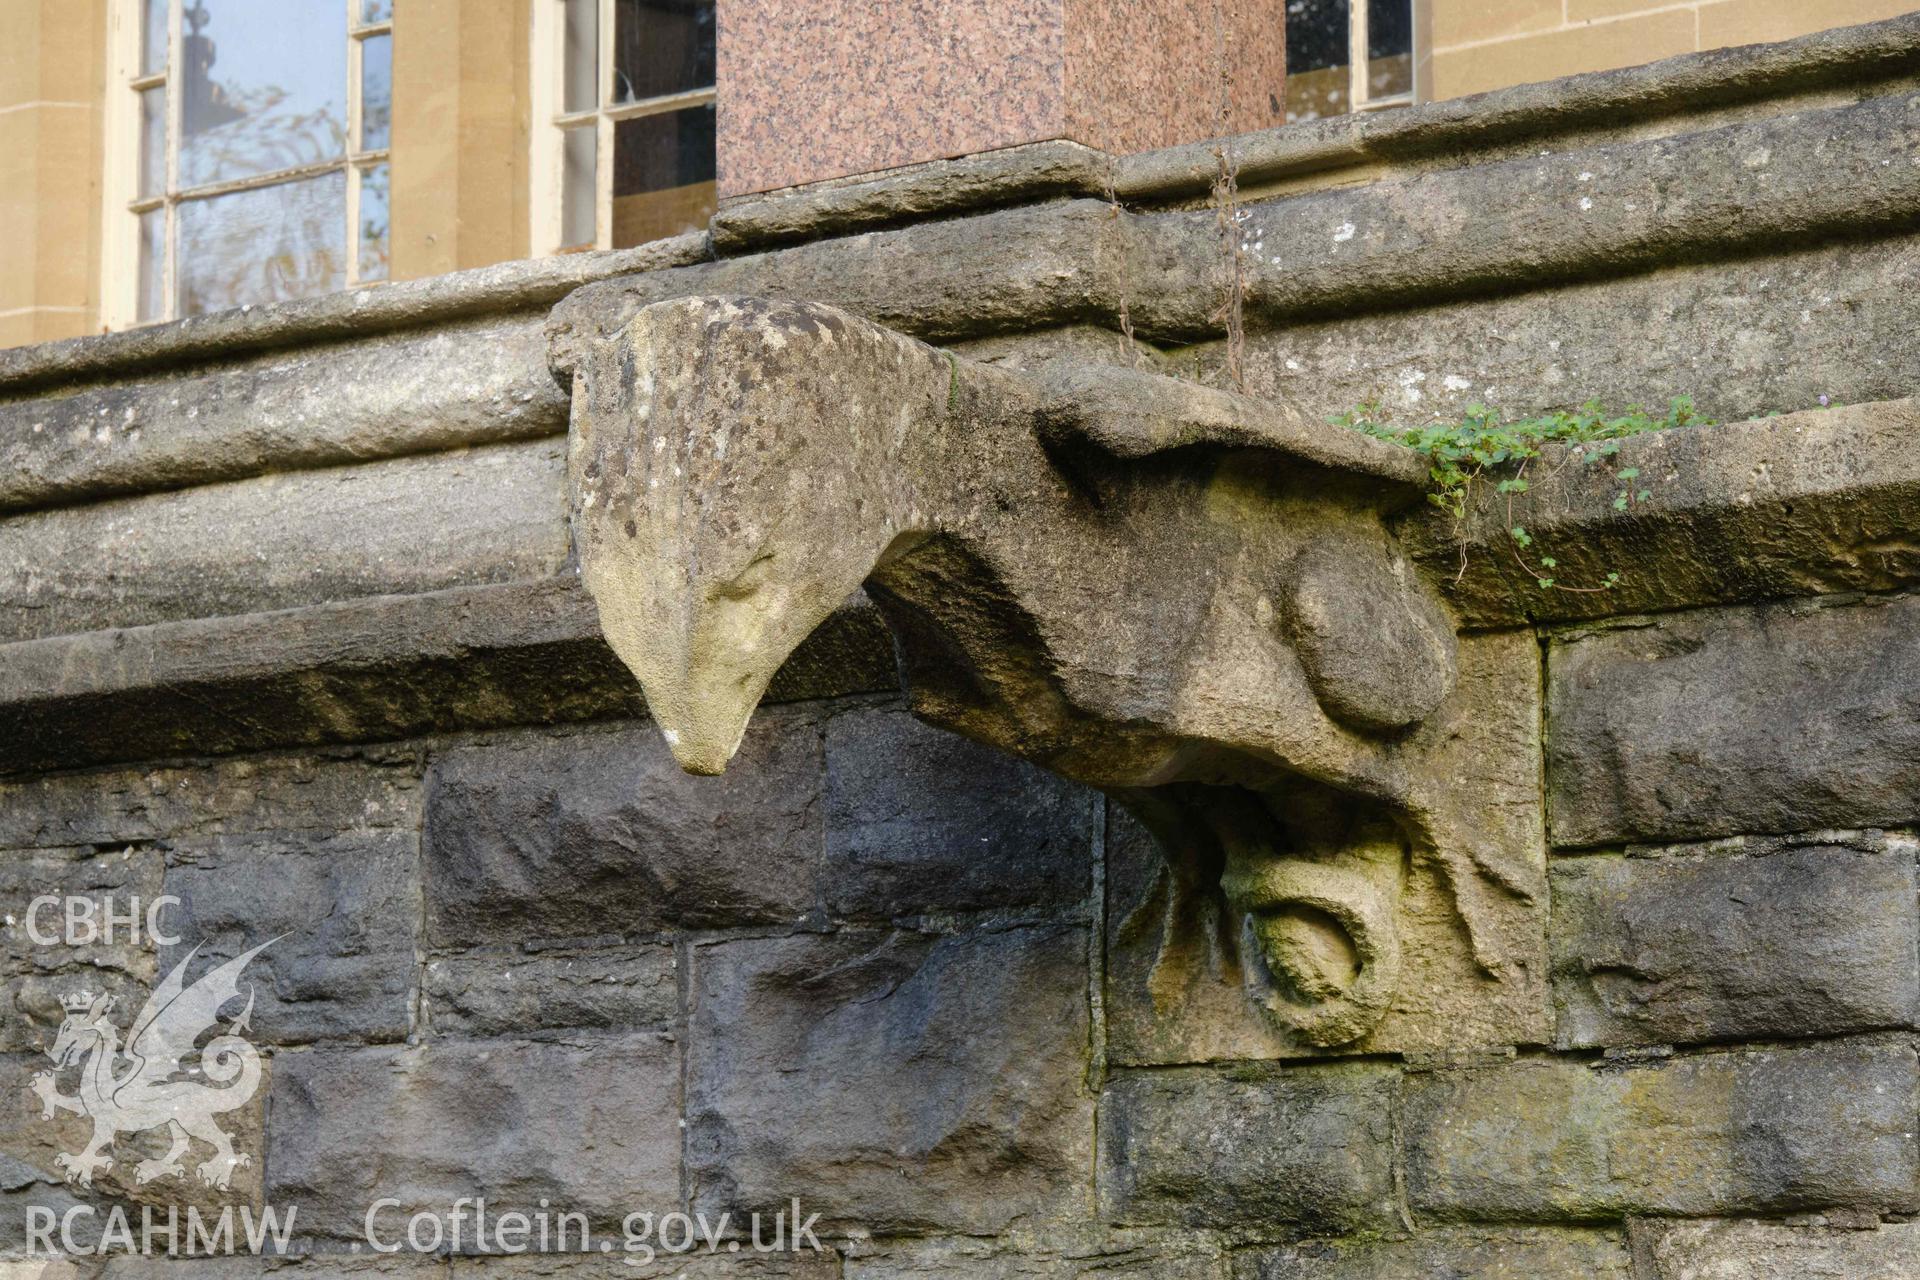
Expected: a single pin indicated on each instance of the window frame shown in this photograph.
(551, 121)
(123, 204)
(1360, 65)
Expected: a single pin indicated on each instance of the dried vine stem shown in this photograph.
(1130, 348)
(1226, 203)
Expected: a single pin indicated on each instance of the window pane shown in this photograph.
(662, 175)
(1316, 35)
(660, 47)
(153, 37)
(152, 303)
(374, 239)
(264, 245)
(372, 11)
(1389, 28)
(153, 141)
(581, 154)
(1389, 47)
(376, 93)
(582, 55)
(1317, 58)
(265, 87)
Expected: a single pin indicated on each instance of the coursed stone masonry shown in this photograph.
(1652, 866)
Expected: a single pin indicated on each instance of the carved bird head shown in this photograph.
(738, 468)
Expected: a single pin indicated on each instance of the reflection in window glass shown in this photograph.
(153, 142)
(583, 55)
(376, 92)
(1316, 58)
(264, 87)
(372, 11)
(661, 47)
(1389, 48)
(663, 175)
(1318, 38)
(579, 158)
(153, 37)
(152, 300)
(264, 245)
(375, 248)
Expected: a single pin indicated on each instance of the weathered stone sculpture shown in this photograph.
(1190, 600)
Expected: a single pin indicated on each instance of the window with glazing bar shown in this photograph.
(247, 154)
(1348, 55)
(623, 99)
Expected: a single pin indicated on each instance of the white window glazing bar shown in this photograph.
(176, 112)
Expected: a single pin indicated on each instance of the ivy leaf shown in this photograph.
(1548, 562)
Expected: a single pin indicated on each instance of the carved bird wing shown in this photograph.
(176, 1015)
(1131, 413)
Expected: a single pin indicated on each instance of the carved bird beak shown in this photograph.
(704, 677)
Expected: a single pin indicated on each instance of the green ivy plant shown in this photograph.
(1483, 448)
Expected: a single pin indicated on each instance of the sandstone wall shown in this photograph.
(289, 629)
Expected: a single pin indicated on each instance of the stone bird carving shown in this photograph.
(1188, 599)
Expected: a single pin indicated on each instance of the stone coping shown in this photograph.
(1844, 58)
(503, 288)
(1783, 182)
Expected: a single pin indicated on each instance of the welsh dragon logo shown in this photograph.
(152, 1082)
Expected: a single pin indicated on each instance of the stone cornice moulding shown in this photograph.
(1187, 599)
(1754, 519)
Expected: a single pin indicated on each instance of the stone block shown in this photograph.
(493, 514)
(499, 992)
(1514, 1253)
(698, 1264)
(1747, 939)
(317, 1266)
(1057, 1254)
(961, 80)
(539, 836)
(1778, 718)
(1307, 1146)
(362, 789)
(892, 1080)
(1734, 1250)
(440, 387)
(919, 820)
(29, 1144)
(591, 1125)
(1742, 1132)
(34, 976)
(1688, 330)
(343, 914)
(1568, 51)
